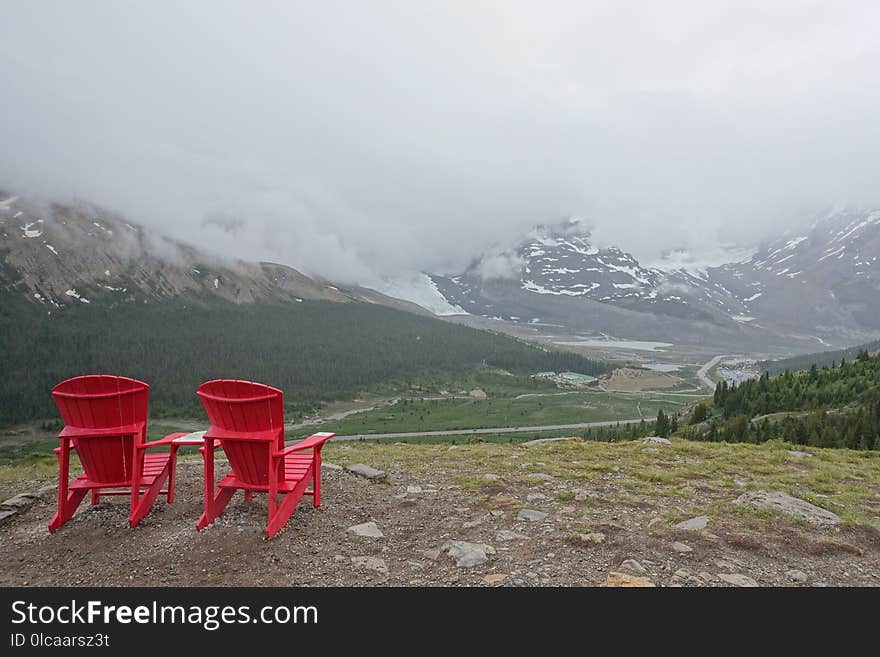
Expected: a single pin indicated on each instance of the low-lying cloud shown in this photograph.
(357, 140)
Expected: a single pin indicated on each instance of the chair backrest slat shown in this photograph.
(241, 408)
(104, 402)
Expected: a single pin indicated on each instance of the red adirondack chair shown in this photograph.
(247, 421)
(105, 422)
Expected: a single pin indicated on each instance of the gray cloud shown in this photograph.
(359, 139)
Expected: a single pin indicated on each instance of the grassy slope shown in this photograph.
(465, 414)
(687, 478)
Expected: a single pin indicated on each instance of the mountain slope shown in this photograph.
(822, 287)
(65, 255)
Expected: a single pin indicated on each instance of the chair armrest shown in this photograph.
(167, 440)
(315, 441)
(67, 439)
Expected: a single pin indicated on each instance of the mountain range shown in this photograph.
(803, 292)
(58, 255)
(820, 288)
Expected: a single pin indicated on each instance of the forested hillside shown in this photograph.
(314, 350)
(822, 358)
(832, 406)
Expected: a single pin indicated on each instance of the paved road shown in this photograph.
(703, 372)
(459, 432)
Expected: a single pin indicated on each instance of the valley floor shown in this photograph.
(610, 507)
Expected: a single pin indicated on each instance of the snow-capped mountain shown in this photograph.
(822, 286)
(64, 255)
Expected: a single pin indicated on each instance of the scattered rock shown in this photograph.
(656, 440)
(330, 466)
(6, 515)
(467, 555)
(496, 513)
(725, 565)
(681, 573)
(581, 496)
(470, 524)
(543, 476)
(737, 579)
(705, 576)
(46, 491)
(593, 538)
(495, 578)
(532, 497)
(531, 515)
(504, 535)
(797, 575)
(623, 580)
(368, 529)
(366, 471)
(491, 477)
(681, 548)
(541, 441)
(819, 585)
(787, 504)
(633, 566)
(370, 563)
(799, 454)
(413, 489)
(20, 502)
(651, 450)
(694, 524)
(433, 554)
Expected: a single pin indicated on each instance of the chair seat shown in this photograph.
(154, 466)
(296, 468)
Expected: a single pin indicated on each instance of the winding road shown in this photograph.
(460, 432)
(703, 372)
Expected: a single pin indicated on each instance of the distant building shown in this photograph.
(572, 379)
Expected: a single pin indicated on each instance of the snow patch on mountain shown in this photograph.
(421, 290)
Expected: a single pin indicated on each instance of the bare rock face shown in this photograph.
(785, 503)
(656, 440)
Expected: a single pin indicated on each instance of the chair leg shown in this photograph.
(316, 484)
(282, 513)
(66, 509)
(145, 503)
(172, 475)
(95, 496)
(215, 507)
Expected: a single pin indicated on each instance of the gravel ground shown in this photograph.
(577, 544)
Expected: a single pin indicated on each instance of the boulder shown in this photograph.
(467, 555)
(694, 524)
(785, 503)
(623, 580)
(366, 471)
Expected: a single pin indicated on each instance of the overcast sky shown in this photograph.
(360, 138)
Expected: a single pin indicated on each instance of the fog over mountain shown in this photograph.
(360, 140)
